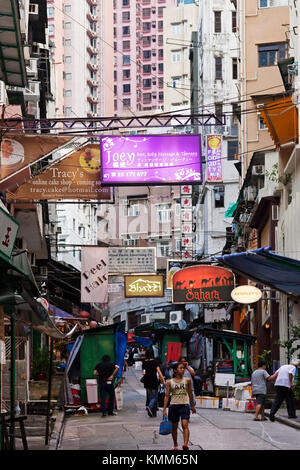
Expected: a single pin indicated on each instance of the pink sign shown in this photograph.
(214, 158)
(151, 159)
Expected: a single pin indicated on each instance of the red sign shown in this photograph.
(203, 284)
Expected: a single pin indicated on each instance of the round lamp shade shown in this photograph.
(93, 324)
(84, 314)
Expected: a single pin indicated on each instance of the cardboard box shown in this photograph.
(208, 402)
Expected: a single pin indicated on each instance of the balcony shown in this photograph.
(92, 3)
(92, 50)
(92, 34)
(92, 67)
(92, 18)
(93, 99)
(92, 83)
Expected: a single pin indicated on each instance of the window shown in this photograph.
(178, 246)
(147, 68)
(68, 59)
(68, 76)
(125, 3)
(161, 96)
(219, 196)
(68, 111)
(164, 212)
(67, 42)
(146, 12)
(51, 28)
(131, 208)
(50, 12)
(115, 75)
(161, 67)
(160, 53)
(176, 56)
(219, 110)
(68, 8)
(160, 24)
(68, 93)
(146, 97)
(218, 67)
(126, 30)
(67, 25)
(131, 240)
(126, 16)
(234, 68)
(147, 54)
(126, 88)
(232, 149)
(126, 45)
(126, 102)
(270, 54)
(176, 82)
(218, 26)
(146, 26)
(126, 73)
(164, 249)
(146, 41)
(262, 125)
(126, 59)
(233, 21)
(147, 83)
(176, 28)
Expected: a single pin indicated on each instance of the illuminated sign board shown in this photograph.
(144, 286)
(246, 294)
(151, 159)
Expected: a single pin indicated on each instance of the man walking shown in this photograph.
(284, 390)
(106, 372)
(259, 380)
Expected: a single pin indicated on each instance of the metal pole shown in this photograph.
(2, 360)
(12, 380)
(49, 392)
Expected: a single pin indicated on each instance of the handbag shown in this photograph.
(165, 427)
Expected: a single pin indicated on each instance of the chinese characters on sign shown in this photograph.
(155, 159)
(214, 158)
(8, 231)
(129, 260)
(187, 239)
(144, 286)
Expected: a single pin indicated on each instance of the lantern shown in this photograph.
(84, 314)
(93, 324)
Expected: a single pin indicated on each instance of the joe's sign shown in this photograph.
(202, 284)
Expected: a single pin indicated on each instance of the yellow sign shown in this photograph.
(144, 286)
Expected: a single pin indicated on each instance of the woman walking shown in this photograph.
(151, 369)
(180, 390)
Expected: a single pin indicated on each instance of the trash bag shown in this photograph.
(165, 427)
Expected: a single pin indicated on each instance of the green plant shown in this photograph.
(40, 363)
(266, 356)
(297, 388)
(274, 176)
(290, 345)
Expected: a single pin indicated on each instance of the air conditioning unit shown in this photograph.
(175, 316)
(145, 318)
(275, 212)
(33, 9)
(258, 170)
(43, 271)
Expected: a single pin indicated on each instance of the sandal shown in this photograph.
(256, 419)
(184, 447)
(175, 448)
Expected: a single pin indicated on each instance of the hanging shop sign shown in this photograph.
(94, 274)
(75, 177)
(18, 151)
(173, 266)
(246, 294)
(151, 159)
(214, 158)
(186, 190)
(203, 284)
(132, 260)
(144, 286)
(8, 232)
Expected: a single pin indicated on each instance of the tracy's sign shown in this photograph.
(202, 284)
(144, 286)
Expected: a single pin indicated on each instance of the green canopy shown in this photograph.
(231, 209)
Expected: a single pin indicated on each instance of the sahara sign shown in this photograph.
(144, 286)
(246, 294)
(202, 284)
(75, 177)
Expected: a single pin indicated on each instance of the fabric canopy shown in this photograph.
(267, 268)
(231, 209)
(281, 119)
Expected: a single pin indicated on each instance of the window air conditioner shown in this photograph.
(145, 318)
(258, 170)
(175, 316)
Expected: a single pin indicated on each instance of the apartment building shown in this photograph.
(139, 55)
(81, 36)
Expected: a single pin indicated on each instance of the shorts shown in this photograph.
(178, 411)
(260, 399)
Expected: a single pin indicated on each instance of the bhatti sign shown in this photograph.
(246, 294)
(144, 286)
(203, 284)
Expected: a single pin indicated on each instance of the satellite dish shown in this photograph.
(182, 324)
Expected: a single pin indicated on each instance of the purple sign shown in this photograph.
(214, 158)
(151, 159)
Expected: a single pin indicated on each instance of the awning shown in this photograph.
(267, 268)
(281, 118)
(231, 209)
(12, 63)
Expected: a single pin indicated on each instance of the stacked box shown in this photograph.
(208, 402)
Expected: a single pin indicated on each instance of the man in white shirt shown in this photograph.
(284, 385)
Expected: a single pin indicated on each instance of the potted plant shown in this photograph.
(40, 364)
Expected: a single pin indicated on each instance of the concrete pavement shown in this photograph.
(210, 429)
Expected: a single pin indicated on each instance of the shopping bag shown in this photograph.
(165, 427)
(119, 398)
(161, 396)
